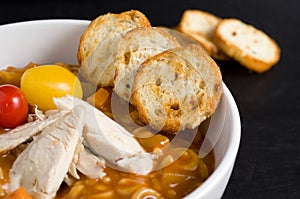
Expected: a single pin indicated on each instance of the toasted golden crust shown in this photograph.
(209, 46)
(106, 26)
(200, 26)
(177, 89)
(136, 46)
(99, 44)
(199, 22)
(248, 45)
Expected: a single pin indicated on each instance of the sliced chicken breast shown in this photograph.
(17, 136)
(87, 163)
(42, 166)
(90, 165)
(106, 138)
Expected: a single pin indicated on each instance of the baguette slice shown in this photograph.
(201, 26)
(98, 44)
(135, 47)
(199, 22)
(177, 89)
(209, 46)
(251, 47)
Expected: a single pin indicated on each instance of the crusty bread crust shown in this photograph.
(198, 21)
(136, 46)
(209, 46)
(200, 26)
(98, 44)
(107, 26)
(249, 46)
(177, 89)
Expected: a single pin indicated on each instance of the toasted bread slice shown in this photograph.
(98, 44)
(177, 89)
(200, 22)
(209, 46)
(136, 46)
(250, 46)
(200, 26)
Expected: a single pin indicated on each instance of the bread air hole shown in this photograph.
(176, 75)
(233, 33)
(174, 107)
(202, 85)
(158, 82)
(158, 112)
(127, 58)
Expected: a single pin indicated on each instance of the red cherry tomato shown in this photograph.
(13, 106)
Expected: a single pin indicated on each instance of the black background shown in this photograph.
(268, 161)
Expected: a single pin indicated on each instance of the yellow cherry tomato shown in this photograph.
(41, 84)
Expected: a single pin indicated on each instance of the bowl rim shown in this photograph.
(228, 159)
(41, 21)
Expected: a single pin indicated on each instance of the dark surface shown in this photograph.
(268, 162)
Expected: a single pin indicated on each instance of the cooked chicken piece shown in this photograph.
(37, 115)
(17, 136)
(108, 139)
(72, 169)
(117, 147)
(140, 163)
(87, 163)
(42, 166)
(90, 165)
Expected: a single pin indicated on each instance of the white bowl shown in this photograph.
(225, 149)
(49, 41)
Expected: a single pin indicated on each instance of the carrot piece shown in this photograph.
(20, 193)
(99, 98)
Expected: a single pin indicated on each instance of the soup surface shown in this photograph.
(178, 170)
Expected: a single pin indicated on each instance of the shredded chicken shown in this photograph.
(42, 166)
